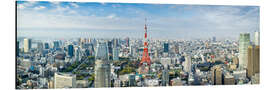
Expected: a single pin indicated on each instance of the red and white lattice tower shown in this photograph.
(145, 56)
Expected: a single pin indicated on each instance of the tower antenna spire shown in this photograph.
(145, 56)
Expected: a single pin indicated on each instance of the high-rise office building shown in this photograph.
(257, 38)
(127, 41)
(82, 42)
(27, 45)
(253, 61)
(165, 76)
(102, 67)
(115, 53)
(46, 45)
(56, 44)
(77, 54)
(115, 42)
(244, 42)
(257, 59)
(110, 48)
(250, 69)
(131, 49)
(216, 75)
(187, 64)
(91, 50)
(70, 50)
(63, 80)
(166, 47)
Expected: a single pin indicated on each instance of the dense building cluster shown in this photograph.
(116, 62)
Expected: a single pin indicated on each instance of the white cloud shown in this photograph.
(74, 5)
(41, 20)
(55, 2)
(102, 3)
(39, 7)
(58, 9)
(26, 4)
(111, 16)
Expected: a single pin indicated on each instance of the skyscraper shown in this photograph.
(257, 59)
(77, 53)
(127, 41)
(115, 53)
(165, 76)
(110, 48)
(166, 47)
(82, 42)
(27, 45)
(257, 38)
(92, 49)
(115, 42)
(70, 50)
(102, 68)
(253, 60)
(131, 49)
(244, 42)
(216, 75)
(46, 45)
(187, 64)
(56, 44)
(250, 69)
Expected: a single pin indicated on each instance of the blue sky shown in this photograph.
(164, 20)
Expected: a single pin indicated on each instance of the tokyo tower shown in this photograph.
(145, 56)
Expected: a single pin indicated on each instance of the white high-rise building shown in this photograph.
(244, 42)
(131, 50)
(257, 38)
(27, 45)
(102, 68)
(187, 64)
(63, 80)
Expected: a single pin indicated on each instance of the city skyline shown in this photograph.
(172, 21)
(65, 44)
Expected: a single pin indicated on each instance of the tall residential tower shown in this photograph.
(102, 68)
(244, 42)
(27, 45)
